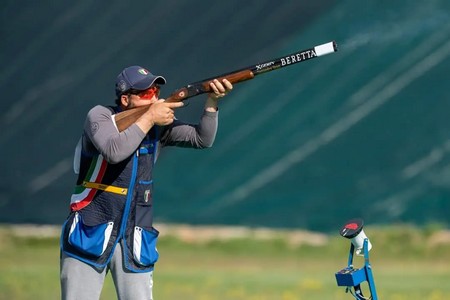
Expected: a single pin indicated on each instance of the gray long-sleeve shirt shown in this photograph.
(101, 135)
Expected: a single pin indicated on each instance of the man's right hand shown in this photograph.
(162, 113)
(158, 113)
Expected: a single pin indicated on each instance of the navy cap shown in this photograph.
(136, 78)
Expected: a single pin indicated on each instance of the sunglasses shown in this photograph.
(148, 93)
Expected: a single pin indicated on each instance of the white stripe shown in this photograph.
(113, 118)
(77, 157)
(48, 177)
(76, 219)
(423, 164)
(396, 204)
(108, 232)
(75, 198)
(137, 243)
(281, 166)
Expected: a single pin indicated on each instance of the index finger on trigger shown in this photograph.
(175, 104)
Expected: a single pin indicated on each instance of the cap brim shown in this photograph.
(148, 81)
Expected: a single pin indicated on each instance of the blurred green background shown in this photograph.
(362, 133)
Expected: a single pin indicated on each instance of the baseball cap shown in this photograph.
(136, 78)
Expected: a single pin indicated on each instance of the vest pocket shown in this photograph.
(90, 240)
(144, 246)
(144, 206)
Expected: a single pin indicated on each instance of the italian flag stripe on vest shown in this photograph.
(82, 196)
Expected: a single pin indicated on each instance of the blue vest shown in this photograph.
(113, 203)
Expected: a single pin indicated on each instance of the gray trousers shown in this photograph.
(80, 281)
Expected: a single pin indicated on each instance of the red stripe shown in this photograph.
(85, 202)
(101, 172)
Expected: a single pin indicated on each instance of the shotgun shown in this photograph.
(126, 118)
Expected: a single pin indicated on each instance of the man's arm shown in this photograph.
(219, 90)
(114, 146)
(202, 135)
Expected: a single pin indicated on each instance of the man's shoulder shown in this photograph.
(99, 113)
(101, 110)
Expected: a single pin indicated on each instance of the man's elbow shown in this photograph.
(113, 159)
(207, 143)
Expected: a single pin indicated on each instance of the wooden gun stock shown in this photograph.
(126, 118)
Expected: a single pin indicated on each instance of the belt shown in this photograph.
(106, 188)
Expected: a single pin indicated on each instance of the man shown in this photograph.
(110, 225)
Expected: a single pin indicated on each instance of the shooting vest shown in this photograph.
(113, 203)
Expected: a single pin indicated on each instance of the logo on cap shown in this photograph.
(143, 71)
(122, 85)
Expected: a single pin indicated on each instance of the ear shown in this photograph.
(124, 100)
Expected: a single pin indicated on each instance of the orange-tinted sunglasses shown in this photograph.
(148, 93)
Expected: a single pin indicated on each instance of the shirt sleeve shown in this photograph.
(201, 135)
(102, 132)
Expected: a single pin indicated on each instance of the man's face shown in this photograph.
(141, 98)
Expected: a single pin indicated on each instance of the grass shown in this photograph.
(407, 263)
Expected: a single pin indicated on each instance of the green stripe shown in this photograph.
(79, 188)
(91, 168)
